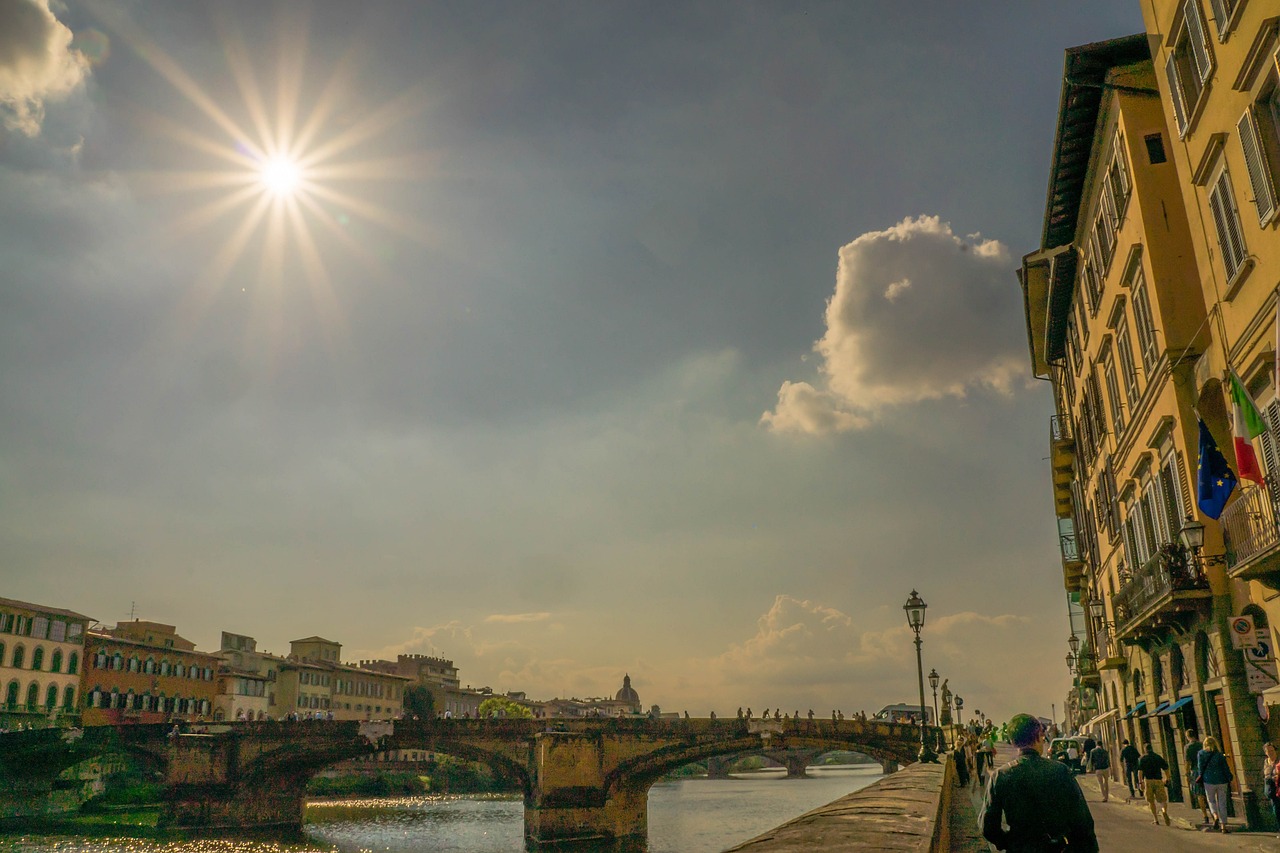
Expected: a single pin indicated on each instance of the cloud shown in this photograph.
(37, 63)
(919, 313)
(517, 618)
(803, 653)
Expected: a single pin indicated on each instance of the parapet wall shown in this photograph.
(907, 811)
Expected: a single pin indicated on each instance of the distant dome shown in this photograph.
(628, 693)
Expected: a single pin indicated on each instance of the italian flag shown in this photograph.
(1246, 425)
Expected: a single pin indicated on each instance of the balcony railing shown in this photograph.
(1249, 525)
(1156, 584)
(1059, 428)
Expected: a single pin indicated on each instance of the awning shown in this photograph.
(1102, 717)
(1136, 709)
(1183, 702)
(1160, 709)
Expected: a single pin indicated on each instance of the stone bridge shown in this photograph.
(582, 779)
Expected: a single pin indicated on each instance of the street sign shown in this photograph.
(1259, 662)
(1243, 633)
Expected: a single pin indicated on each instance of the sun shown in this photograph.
(281, 176)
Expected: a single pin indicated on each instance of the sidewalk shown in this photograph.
(1120, 826)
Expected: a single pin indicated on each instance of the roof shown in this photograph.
(103, 638)
(53, 611)
(1083, 75)
(316, 640)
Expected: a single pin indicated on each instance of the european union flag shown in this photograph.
(1215, 481)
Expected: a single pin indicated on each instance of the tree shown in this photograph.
(418, 702)
(503, 707)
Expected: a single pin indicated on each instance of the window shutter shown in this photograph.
(1184, 488)
(1228, 223)
(1195, 34)
(1270, 450)
(1175, 94)
(1264, 194)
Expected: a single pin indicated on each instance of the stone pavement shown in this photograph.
(1121, 827)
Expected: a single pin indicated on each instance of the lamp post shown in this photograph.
(915, 608)
(933, 685)
(960, 712)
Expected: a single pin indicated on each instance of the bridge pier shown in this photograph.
(889, 766)
(233, 807)
(571, 800)
(718, 766)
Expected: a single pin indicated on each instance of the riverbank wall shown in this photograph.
(908, 811)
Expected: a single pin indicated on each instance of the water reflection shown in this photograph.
(687, 816)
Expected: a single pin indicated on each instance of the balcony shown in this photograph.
(1062, 455)
(1164, 593)
(1072, 562)
(1249, 526)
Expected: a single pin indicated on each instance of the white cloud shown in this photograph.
(919, 313)
(517, 618)
(37, 63)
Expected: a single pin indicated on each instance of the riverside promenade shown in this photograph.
(920, 808)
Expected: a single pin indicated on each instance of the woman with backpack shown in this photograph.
(1215, 775)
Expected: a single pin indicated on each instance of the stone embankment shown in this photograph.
(909, 810)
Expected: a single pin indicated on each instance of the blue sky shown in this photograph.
(677, 339)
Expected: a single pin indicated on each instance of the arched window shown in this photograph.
(19, 655)
(37, 658)
(1178, 676)
(1137, 685)
(179, 670)
(115, 697)
(1157, 676)
(11, 696)
(33, 696)
(100, 660)
(117, 661)
(150, 666)
(134, 663)
(164, 667)
(73, 663)
(56, 664)
(69, 698)
(51, 697)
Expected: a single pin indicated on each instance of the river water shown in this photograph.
(687, 816)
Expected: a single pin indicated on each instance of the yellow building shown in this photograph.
(313, 682)
(41, 655)
(145, 672)
(1220, 84)
(1117, 322)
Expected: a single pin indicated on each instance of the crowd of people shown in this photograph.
(1034, 802)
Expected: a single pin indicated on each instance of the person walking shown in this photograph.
(1100, 764)
(1192, 754)
(1215, 775)
(1129, 761)
(1038, 799)
(1155, 781)
(1271, 778)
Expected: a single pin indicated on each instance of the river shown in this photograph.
(687, 816)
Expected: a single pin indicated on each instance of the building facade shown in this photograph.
(144, 672)
(313, 682)
(1124, 322)
(41, 655)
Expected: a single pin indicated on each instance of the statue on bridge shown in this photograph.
(946, 704)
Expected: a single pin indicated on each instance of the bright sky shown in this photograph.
(562, 339)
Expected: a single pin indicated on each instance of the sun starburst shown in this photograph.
(281, 172)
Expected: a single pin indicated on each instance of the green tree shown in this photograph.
(503, 707)
(418, 702)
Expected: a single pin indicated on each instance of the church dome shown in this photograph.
(628, 693)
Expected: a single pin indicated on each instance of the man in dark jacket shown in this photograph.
(1100, 764)
(1038, 799)
(1129, 759)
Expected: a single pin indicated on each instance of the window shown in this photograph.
(6, 623)
(11, 695)
(73, 663)
(1145, 325)
(117, 661)
(1118, 184)
(33, 696)
(1223, 10)
(58, 631)
(37, 658)
(1226, 220)
(19, 655)
(69, 698)
(74, 632)
(1113, 393)
(1189, 66)
(40, 627)
(1260, 140)
(51, 697)
(1124, 352)
(1155, 149)
(134, 664)
(56, 664)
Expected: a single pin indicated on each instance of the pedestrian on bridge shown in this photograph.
(1037, 798)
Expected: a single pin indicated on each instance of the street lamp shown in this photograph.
(1071, 662)
(915, 608)
(1074, 642)
(960, 712)
(933, 685)
(1192, 536)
